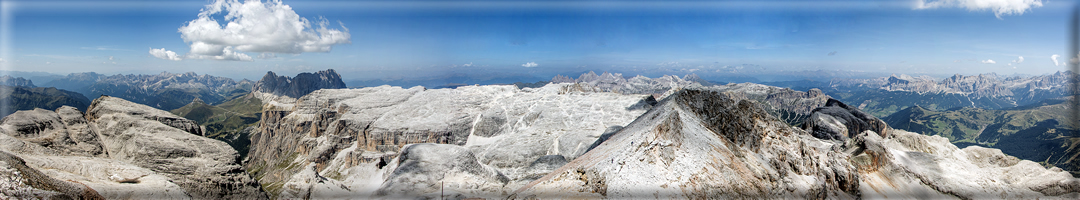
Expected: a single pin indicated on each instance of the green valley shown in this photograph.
(231, 121)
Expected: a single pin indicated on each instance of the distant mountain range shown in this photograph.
(1038, 132)
(886, 95)
(163, 91)
(15, 81)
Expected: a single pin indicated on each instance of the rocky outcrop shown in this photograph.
(19, 181)
(790, 106)
(300, 85)
(125, 150)
(124, 107)
(908, 165)
(838, 121)
(162, 142)
(64, 132)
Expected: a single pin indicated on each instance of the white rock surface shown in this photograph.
(343, 134)
(127, 151)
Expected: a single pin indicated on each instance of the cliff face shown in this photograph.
(126, 150)
(300, 85)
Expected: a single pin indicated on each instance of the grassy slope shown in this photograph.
(25, 98)
(226, 121)
(1038, 133)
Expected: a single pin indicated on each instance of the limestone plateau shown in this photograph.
(597, 136)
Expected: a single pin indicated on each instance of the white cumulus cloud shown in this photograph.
(999, 7)
(1019, 60)
(256, 26)
(530, 64)
(164, 54)
(226, 54)
(1054, 58)
(468, 65)
(988, 61)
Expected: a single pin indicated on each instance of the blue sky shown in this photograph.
(402, 39)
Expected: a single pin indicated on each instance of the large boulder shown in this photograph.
(838, 121)
(153, 139)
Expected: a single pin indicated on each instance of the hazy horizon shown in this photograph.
(369, 40)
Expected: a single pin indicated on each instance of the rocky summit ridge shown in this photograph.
(300, 85)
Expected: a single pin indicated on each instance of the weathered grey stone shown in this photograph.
(65, 131)
(205, 168)
(431, 169)
(838, 121)
(19, 181)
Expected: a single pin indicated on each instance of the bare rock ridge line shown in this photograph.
(300, 85)
(125, 150)
(16, 81)
(1020, 90)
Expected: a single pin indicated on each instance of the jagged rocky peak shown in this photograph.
(562, 79)
(588, 77)
(703, 144)
(838, 121)
(16, 81)
(300, 85)
(694, 78)
(700, 144)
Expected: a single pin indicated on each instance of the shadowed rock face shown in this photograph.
(300, 85)
(838, 121)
